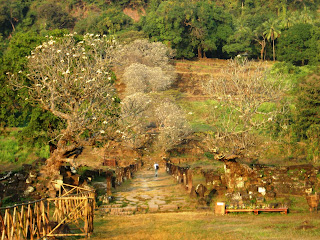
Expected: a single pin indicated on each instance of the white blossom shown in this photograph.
(66, 72)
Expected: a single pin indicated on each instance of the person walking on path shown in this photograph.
(156, 167)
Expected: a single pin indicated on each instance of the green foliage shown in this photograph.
(14, 110)
(192, 28)
(110, 21)
(11, 13)
(240, 40)
(40, 127)
(267, 107)
(308, 106)
(299, 45)
(14, 151)
(52, 16)
(209, 155)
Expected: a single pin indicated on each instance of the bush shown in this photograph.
(141, 78)
(308, 105)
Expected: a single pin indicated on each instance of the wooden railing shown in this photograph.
(24, 221)
(69, 214)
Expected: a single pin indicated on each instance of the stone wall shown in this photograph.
(271, 181)
(245, 185)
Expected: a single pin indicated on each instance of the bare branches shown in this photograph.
(249, 98)
(141, 78)
(146, 119)
(173, 125)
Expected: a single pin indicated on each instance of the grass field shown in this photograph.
(205, 225)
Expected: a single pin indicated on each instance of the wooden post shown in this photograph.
(189, 180)
(86, 217)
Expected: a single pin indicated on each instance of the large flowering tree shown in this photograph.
(71, 78)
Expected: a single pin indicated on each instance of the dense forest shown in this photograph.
(284, 31)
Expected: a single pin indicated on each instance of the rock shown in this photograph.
(20, 176)
(308, 190)
(153, 208)
(29, 190)
(169, 207)
(28, 180)
(58, 183)
(271, 194)
(262, 190)
(159, 202)
(33, 174)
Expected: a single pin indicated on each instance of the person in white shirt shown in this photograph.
(156, 167)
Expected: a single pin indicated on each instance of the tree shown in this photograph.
(209, 27)
(190, 27)
(308, 118)
(248, 99)
(141, 78)
(166, 24)
(11, 12)
(136, 118)
(54, 16)
(272, 32)
(151, 54)
(73, 80)
(14, 110)
(173, 126)
(240, 40)
(108, 22)
(261, 39)
(308, 104)
(147, 119)
(299, 45)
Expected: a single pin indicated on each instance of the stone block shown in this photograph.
(169, 207)
(153, 208)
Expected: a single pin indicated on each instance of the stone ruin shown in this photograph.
(253, 185)
(16, 186)
(243, 185)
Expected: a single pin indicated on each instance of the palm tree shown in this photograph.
(272, 32)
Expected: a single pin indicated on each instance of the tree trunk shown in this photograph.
(54, 162)
(263, 45)
(12, 25)
(274, 52)
(199, 52)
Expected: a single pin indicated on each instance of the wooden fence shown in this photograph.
(69, 214)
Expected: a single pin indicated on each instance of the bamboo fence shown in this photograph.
(46, 217)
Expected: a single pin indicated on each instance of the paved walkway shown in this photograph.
(147, 193)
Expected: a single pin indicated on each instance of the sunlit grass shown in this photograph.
(205, 225)
(14, 153)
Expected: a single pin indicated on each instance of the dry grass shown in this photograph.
(205, 225)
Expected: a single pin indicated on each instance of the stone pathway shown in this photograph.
(146, 193)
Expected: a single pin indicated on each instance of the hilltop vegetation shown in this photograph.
(257, 109)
